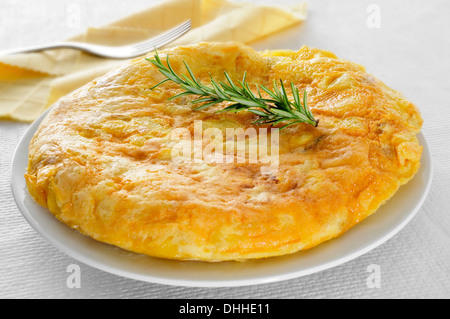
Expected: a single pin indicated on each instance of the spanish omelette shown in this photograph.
(101, 160)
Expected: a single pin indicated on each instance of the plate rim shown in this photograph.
(367, 247)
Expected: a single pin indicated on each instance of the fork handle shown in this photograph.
(52, 46)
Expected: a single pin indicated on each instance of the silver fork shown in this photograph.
(123, 52)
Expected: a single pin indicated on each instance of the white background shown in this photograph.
(410, 52)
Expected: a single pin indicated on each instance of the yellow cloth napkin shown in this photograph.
(30, 83)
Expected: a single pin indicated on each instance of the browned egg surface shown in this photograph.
(102, 160)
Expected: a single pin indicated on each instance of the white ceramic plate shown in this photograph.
(369, 234)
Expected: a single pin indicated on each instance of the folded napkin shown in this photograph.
(30, 83)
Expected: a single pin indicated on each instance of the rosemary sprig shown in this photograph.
(273, 110)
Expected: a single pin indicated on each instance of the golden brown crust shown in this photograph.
(101, 160)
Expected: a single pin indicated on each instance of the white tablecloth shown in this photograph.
(408, 48)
